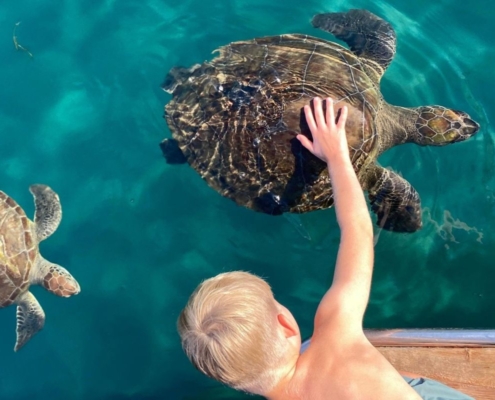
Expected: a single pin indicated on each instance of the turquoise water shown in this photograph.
(85, 117)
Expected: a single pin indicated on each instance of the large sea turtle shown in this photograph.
(21, 264)
(234, 119)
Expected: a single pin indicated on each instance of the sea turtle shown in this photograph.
(21, 263)
(234, 119)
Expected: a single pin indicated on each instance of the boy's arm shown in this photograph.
(344, 304)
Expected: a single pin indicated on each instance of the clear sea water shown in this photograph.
(85, 117)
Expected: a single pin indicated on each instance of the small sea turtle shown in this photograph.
(21, 264)
(234, 119)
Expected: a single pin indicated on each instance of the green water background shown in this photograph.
(85, 117)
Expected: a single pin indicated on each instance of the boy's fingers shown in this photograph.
(330, 116)
(310, 119)
(343, 117)
(320, 119)
(305, 142)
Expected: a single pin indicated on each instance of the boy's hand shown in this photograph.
(329, 138)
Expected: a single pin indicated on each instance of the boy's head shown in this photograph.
(234, 331)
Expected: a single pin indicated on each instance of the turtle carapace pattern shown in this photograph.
(235, 119)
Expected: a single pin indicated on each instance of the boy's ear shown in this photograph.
(287, 325)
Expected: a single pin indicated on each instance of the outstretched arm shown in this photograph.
(344, 304)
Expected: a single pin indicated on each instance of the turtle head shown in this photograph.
(438, 126)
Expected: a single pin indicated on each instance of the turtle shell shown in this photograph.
(18, 250)
(236, 119)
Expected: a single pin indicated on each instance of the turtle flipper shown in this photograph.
(177, 76)
(395, 202)
(171, 151)
(366, 34)
(30, 318)
(48, 212)
(54, 278)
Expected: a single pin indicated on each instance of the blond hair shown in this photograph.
(229, 332)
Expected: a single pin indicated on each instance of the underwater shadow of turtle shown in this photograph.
(307, 169)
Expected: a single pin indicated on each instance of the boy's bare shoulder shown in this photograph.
(344, 369)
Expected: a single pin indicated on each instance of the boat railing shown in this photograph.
(427, 338)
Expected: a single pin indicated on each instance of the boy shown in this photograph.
(234, 331)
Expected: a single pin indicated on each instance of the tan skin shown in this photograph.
(340, 363)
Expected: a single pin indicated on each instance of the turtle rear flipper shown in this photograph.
(30, 318)
(171, 151)
(48, 211)
(366, 34)
(395, 202)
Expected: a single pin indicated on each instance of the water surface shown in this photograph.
(85, 117)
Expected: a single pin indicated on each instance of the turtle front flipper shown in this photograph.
(367, 35)
(54, 278)
(395, 202)
(48, 211)
(30, 318)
